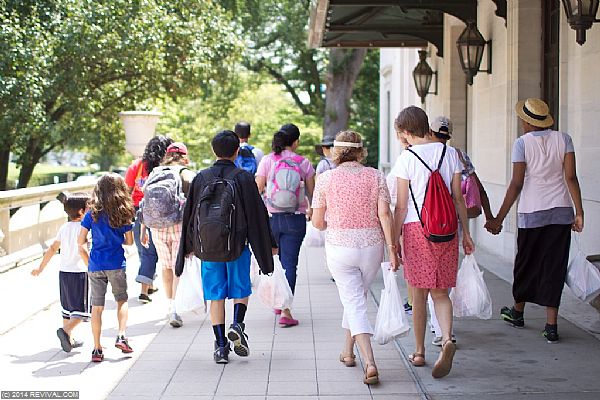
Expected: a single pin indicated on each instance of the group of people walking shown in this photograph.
(250, 204)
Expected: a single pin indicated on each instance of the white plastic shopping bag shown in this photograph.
(189, 295)
(254, 273)
(274, 290)
(470, 297)
(391, 321)
(583, 278)
(314, 237)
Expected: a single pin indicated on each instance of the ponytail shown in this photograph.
(279, 142)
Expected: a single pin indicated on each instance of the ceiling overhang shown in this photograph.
(384, 23)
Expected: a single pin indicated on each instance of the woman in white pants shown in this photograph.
(359, 224)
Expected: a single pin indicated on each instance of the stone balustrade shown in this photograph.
(31, 216)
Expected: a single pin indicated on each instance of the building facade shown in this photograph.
(534, 54)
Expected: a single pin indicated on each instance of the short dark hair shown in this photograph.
(225, 144)
(242, 129)
(412, 120)
(74, 203)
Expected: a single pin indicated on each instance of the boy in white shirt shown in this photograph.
(73, 278)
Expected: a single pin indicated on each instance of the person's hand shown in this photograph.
(493, 226)
(578, 224)
(144, 239)
(309, 212)
(36, 272)
(468, 245)
(274, 251)
(394, 263)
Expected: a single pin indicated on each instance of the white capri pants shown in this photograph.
(354, 270)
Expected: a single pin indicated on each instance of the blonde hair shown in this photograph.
(341, 155)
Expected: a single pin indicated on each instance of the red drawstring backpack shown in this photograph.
(438, 214)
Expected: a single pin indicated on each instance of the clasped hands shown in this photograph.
(494, 225)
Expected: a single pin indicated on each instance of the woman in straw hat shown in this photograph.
(545, 176)
(359, 225)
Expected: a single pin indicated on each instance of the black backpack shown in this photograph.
(220, 229)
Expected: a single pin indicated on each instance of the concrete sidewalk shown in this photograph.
(299, 362)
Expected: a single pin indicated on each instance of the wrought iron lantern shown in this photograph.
(422, 75)
(581, 14)
(470, 46)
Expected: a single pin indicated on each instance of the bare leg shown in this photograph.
(443, 311)
(241, 301)
(70, 324)
(348, 344)
(97, 325)
(366, 351)
(122, 314)
(286, 312)
(520, 307)
(145, 288)
(419, 317)
(167, 278)
(217, 312)
(551, 315)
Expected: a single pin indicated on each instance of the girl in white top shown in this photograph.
(428, 267)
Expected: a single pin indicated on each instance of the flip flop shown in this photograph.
(443, 365)
(417, 359)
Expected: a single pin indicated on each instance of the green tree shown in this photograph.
(68, 66)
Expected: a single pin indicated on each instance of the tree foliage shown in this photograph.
(68, 66)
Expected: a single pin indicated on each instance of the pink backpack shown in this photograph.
(284, 185)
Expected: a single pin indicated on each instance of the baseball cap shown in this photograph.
(442, 125)
(177, 147)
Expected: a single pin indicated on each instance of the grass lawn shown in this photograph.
(43, 174)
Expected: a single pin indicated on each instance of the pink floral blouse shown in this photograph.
(351, 192)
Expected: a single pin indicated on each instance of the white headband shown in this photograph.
(347, 144)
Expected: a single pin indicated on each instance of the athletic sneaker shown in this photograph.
(65, 340)
(97, 355)
(408, 308)
(152, 290)
(239, 338)
(437, 341)
(509, 315)
(175, 320)
(123, 344)
(76, 343)
(221, 354)
(144, 299)
(551, 334)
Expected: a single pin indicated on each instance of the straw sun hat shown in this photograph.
(535, 112)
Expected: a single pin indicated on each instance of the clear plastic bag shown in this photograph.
(254, 273)
(190, 295)
(470, 297)
(391, 321)
(583, 278)
(274, 290)
(314, 237)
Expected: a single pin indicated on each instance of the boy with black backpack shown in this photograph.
(223, 214)
(248, 156)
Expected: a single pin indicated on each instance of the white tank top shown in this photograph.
(544, 187)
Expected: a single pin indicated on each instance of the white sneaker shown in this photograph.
(175, 320)
(437, 341)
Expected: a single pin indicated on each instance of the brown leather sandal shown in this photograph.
(443, 365)
(417, 359)
(349, 360)
(373, 377)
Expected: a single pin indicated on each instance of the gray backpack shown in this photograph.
(163, 202)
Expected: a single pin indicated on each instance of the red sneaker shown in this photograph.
(97, 355)
(287, 322)
(123, 344)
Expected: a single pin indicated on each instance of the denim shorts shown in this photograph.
(99, 281)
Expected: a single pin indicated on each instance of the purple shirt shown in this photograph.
(268, 162)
